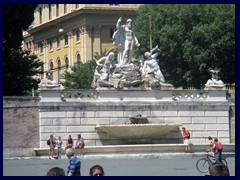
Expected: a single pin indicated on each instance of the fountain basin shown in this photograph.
(136, 131)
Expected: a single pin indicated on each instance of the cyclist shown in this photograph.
(211, 141)
(217, 148)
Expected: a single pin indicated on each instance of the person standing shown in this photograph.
(217, 149)
(74, 163)
(51, 146)
(79, 144)
(59, 145)
(186, 136)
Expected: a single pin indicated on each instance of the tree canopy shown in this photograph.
(192, 38)
(20, 67)
(20, 70)
(81, 76)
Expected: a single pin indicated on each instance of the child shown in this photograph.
(59, 145)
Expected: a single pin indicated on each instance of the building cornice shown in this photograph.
(83, 11)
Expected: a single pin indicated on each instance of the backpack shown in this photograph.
(188, 135)
(48, 142)
(219, 146)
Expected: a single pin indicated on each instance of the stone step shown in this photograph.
(144, 148)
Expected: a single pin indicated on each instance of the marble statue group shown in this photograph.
(124, 70)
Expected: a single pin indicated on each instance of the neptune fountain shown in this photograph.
(123, 72)
(131, 101)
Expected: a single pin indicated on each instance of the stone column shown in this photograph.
(45, 56)
(87, 42)
(97, 39)
(70, 48)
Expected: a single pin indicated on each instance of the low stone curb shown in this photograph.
(131, 156)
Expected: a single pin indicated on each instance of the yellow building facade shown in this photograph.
(86, 29)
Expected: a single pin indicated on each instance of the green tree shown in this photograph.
(192, 38)
(81, 77)
(20, 67)
(20, 73)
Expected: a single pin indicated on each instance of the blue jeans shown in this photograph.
(218, 157)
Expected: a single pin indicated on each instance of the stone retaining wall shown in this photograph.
(61, 117)
(20, 125)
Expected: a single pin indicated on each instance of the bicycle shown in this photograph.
(203, 164)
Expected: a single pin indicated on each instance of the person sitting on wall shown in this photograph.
(69, 142)
(79, 144)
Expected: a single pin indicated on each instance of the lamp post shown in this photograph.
(150, 31)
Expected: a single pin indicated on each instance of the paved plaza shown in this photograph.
(115, 165)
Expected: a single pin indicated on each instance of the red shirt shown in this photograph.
(185, 134)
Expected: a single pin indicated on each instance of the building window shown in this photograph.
(50, 44)
(66, 39)
(51, 71)
(58, 41)
(50, 11)
(65, 8)
(77, 35)
(78, 60)
(40, 15)
(59, 70)
(57, 10)
(41, 47)
(111, 32)
(67, 64)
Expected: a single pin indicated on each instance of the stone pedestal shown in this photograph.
(216, 93)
